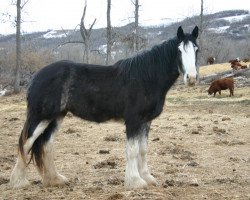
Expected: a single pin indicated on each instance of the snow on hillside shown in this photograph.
(221, 29)
(234, 18)
(53, 34)
(157, 22)
(231, 20)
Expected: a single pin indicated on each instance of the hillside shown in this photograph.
(226, 36)
(231, 24)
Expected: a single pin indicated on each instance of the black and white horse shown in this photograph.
(132, 89)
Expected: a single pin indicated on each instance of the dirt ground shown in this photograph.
(199, 148)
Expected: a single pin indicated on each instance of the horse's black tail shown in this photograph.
(27, 132)
(22, 139)
(36, 151)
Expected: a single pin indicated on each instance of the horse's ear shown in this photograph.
(180, 33)
(195, 32)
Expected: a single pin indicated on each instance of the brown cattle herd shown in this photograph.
(235, 64)
(226, 83)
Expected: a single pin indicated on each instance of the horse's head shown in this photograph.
(187, 55)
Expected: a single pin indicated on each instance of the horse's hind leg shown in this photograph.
(50, 176)
(31, 131)
(143, 145)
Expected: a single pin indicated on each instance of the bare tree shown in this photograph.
(85, 33)
(135, 41)
(109, 33)
(200, 36)
(19, 7)
(136, 27)
(201, 25)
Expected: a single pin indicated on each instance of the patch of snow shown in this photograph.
(221, 29)
(247, 26)
(235, 18)
(157, 22)
(3, 92)
(53, 34)
(154, 34)
(103, 48)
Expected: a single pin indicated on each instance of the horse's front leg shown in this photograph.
(133, 179)
(143, 145)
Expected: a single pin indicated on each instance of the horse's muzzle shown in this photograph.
(190, 80)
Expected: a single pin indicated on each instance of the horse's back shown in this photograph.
(83, 89)
(47, 88)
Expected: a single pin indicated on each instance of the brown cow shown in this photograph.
(235, 60)
(210, 60)
(243, 66)
(222, 84)
(238, 65)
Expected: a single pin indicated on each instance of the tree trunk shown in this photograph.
(109, 34)
(136, 40)
(200, 38)
(86, 35)
(86, 51)
(18, 48)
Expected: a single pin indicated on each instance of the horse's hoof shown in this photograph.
(55, 181)
(135, 183)
(19, 183)
(150, 179)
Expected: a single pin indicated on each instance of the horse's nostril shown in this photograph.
(187, 76)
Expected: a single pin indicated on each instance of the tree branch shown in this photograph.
(24, 4)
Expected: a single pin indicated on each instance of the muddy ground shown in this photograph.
(199, 148)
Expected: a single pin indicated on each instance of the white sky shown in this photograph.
(40, 15)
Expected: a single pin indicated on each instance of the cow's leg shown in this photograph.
(49, 174)
(18, 176)
(132, 176)
(231, 92)
(143, 166)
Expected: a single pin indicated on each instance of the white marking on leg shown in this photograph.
(18, 176)
(132, 176)
(50, 175)
(143, 166)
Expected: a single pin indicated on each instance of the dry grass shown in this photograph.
(213, 69)
(216, 68)
(198, 149)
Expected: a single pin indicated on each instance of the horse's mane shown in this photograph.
(146, 65)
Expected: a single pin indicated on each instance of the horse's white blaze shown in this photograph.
(188, 60)
(18, 175)
(132, 176)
